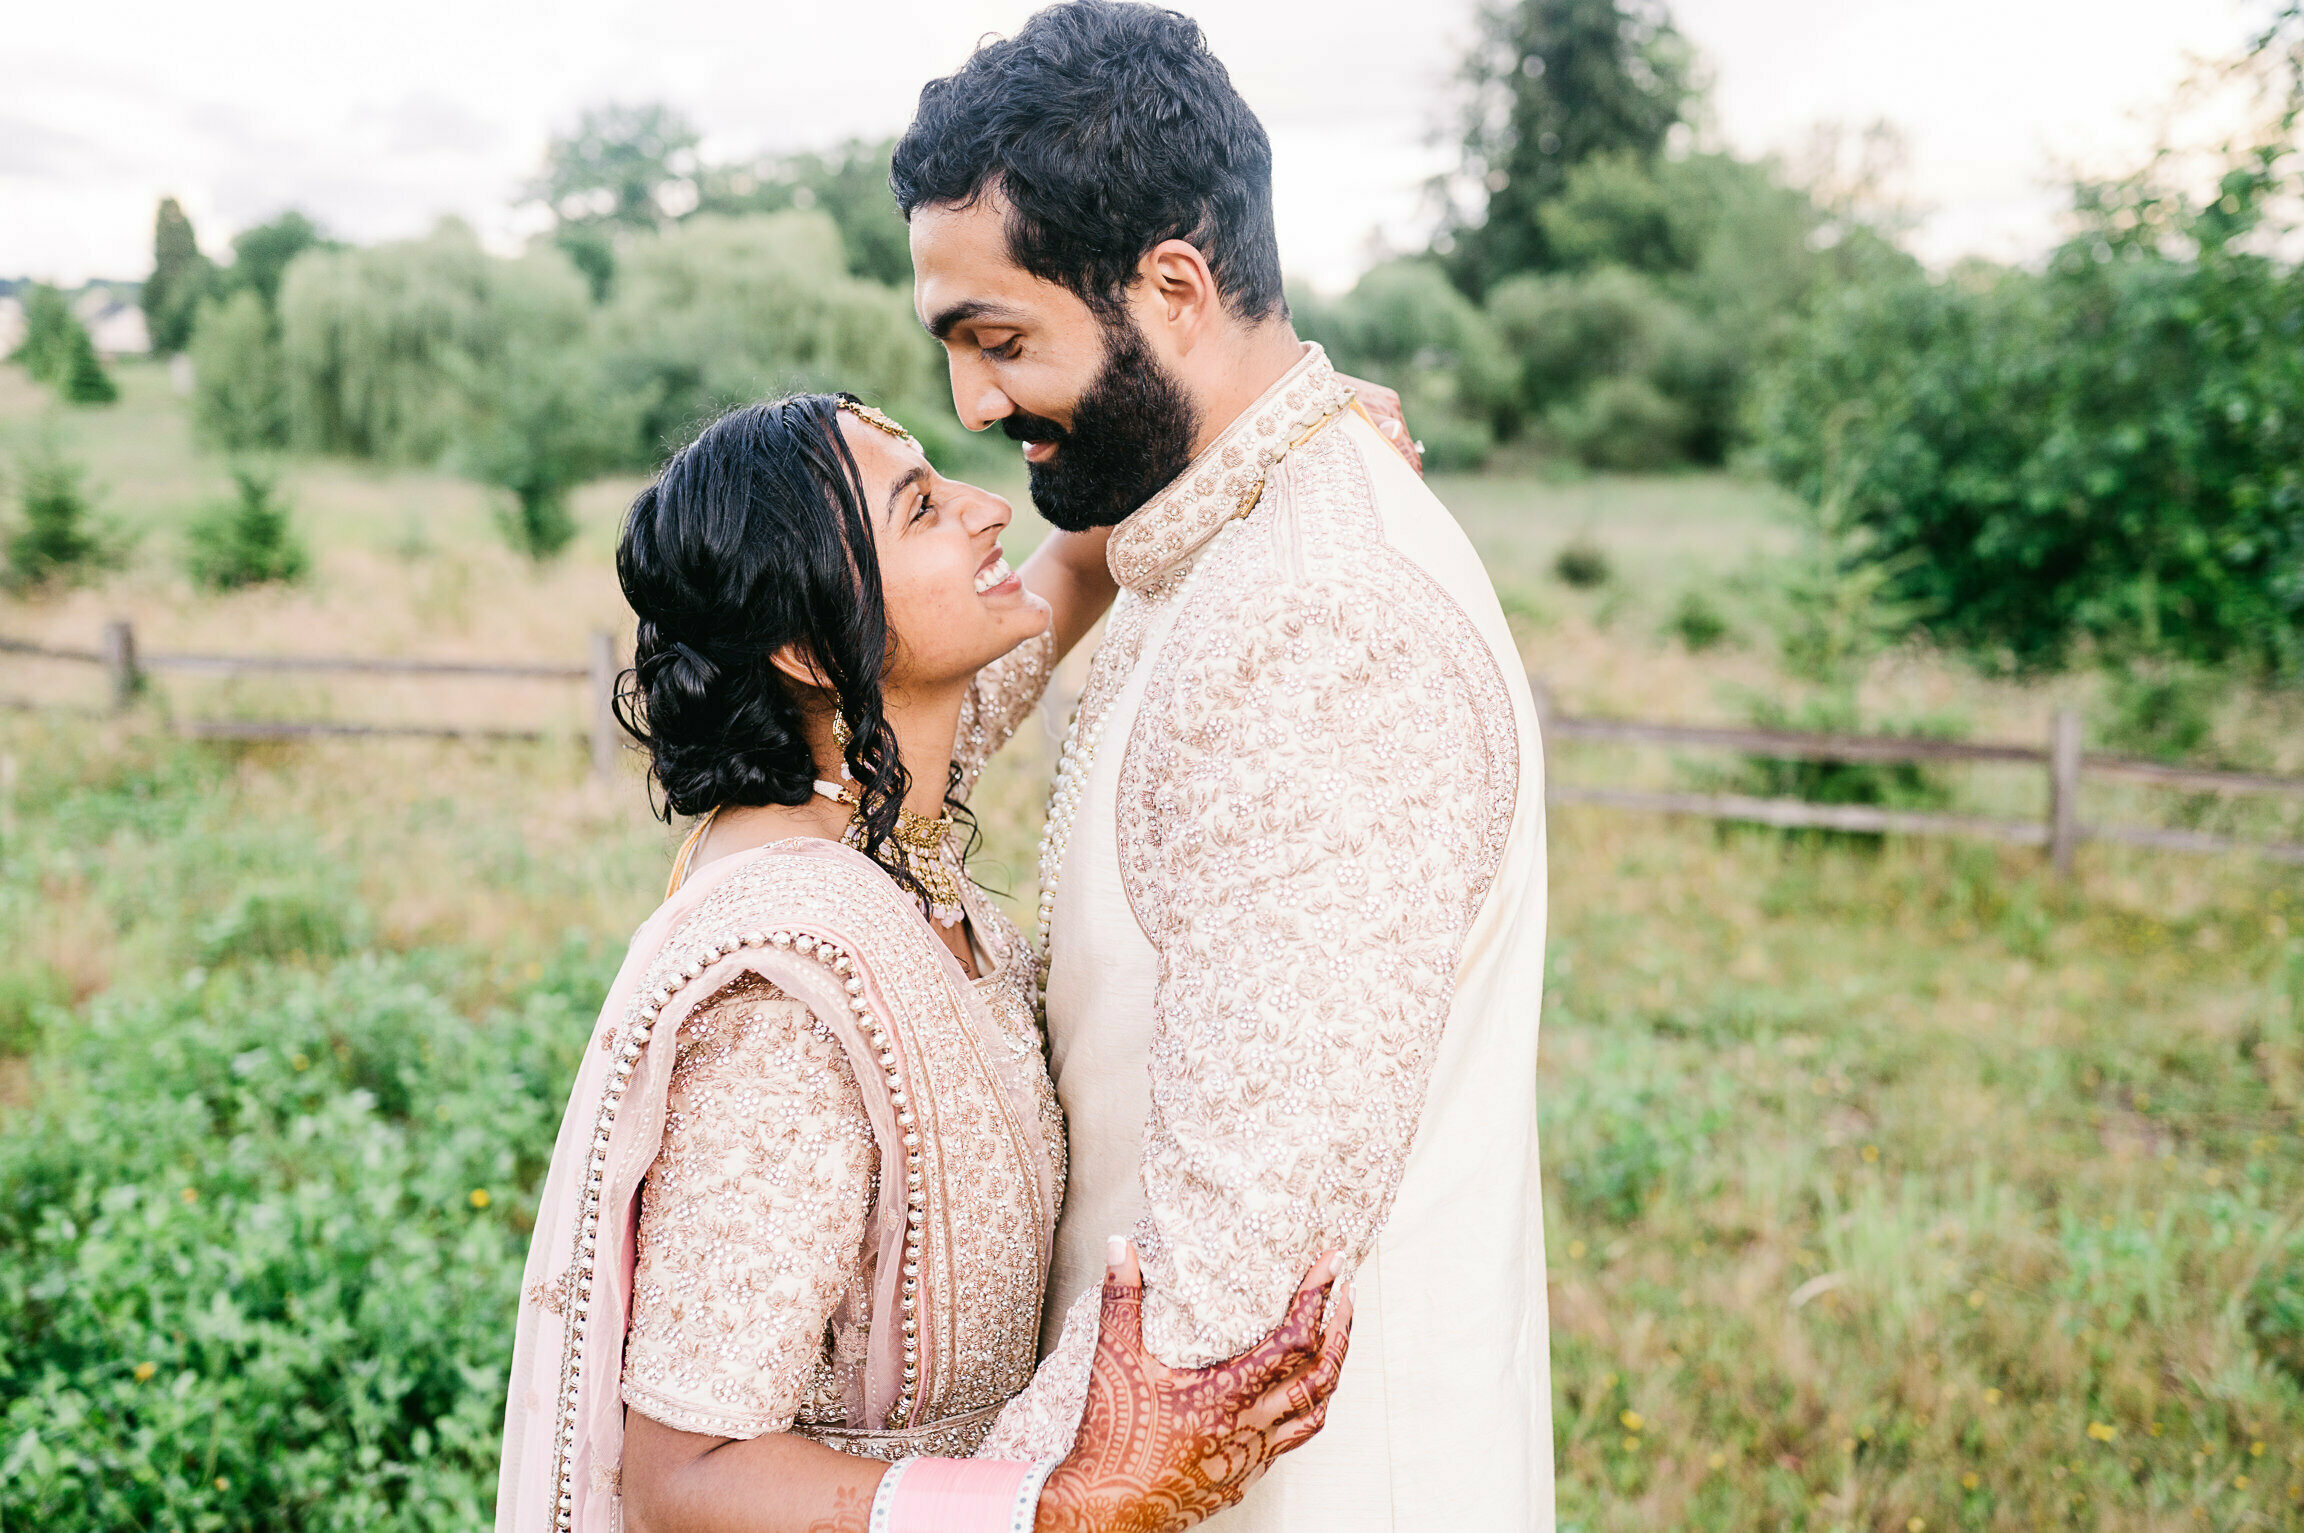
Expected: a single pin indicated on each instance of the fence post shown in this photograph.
(120, 663)
(603, 689)
(2063, 789)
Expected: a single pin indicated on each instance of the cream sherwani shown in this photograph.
(1294, 879)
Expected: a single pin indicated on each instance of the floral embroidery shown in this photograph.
(1313, 804)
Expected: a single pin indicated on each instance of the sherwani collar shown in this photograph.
(1224, 481)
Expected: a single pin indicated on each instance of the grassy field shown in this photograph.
(1890, 1186)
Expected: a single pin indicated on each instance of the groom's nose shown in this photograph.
(975, 397)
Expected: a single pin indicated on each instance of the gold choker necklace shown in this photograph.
(925, 844)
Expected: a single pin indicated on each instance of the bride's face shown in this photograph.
(954, 605)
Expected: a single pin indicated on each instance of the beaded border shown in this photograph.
(587, 1241)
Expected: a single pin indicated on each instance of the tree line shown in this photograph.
(2094, 457)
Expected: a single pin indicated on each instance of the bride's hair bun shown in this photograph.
(753, 542)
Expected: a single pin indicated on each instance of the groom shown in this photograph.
(1293, 874)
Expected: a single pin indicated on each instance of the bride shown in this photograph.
(789, 1264)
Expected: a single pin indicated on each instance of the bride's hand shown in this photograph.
(1162, 1448)
(1383, 407)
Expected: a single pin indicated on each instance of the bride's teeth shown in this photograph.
(986, 579)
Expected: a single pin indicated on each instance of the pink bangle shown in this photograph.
(959, 1495)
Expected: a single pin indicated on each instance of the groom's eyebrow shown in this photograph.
(967, 309)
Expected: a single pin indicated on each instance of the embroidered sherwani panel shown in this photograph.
(1294, 881)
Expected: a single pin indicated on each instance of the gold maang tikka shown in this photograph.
(879, 421)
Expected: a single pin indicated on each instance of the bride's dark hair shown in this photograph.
(755, 537)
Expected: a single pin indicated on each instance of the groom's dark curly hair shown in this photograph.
(1108, 127)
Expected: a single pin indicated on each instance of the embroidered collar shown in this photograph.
(1192, 508)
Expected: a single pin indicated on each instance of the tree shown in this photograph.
(180, 276)
(717, 311)
(260, 256)
(540, 422)
(239, 387)
(57, 350)
(247, 540)
(629, 167)
(849, 184)
(377, 343)
(1555, 83)
(55, 538)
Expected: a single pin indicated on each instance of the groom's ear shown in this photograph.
(1180, 292)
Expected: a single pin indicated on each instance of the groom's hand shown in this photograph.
(1383, 407)
(1163, 1448)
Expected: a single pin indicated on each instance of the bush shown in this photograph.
(247, 540)
(1616, 372)
(1697, 622)
(1402, 325)
(55, 539)
(2161, 711)
(2105, 453)
(1582, 563)
(259, 1261)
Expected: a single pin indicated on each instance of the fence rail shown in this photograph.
(127, 670)
(2061, 831)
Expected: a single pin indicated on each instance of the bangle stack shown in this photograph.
(959, 1495)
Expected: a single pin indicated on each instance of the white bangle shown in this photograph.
(1026, 1512)
(884, 1499)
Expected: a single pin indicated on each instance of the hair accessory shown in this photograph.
(878, 420)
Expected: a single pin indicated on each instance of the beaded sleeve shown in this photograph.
(1314, 803)
(752, 1224)
(1005, 693)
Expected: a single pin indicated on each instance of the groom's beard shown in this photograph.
(1131, 434)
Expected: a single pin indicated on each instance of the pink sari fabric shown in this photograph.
(826, 926)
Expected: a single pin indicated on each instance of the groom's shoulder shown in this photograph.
(1363, 520)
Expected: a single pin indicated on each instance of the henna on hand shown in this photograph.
(1163, 1448)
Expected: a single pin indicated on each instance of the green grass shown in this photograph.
(1885, 1184)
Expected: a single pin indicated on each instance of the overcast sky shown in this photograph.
(378, 119)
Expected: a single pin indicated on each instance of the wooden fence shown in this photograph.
(2061, 831)
(127, 667)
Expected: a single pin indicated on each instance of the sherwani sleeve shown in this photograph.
(1305, 837)
(1002, 698)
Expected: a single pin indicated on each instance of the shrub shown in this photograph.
(1582, 563)
(282, 919)
(2107, 451)
(539, 421)
(259, 1263)
(55, 539)
(247, 540)
(1697, 621)
(1616, 372)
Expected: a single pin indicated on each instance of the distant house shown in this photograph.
(115, 324)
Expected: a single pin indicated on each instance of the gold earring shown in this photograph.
(840, 732)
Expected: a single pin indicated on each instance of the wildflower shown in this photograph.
(1631, 1444)
(1633, 1420)
(2239, 1482)
(1975, 1298)
(2255, 1450)
(144, 1372)
(190, 1195)
(2102, 1431)
(2215, 1177)
(2157, 1429)
(1991, 1397)
(299, 1061)
(1575, 1250)
(1717, 1461)
(222, 1483)
(1871, 1154)
(480, 1197)
(1916, 1525)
